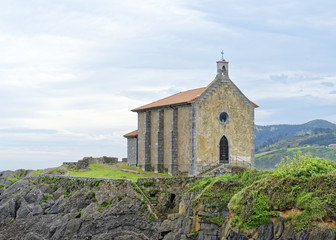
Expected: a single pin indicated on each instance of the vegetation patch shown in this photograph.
(37, 172)
(268, 159)
(219, 220)
(46, 196)
(151, 216)
(4, 186)
(148, 183)
(302, 182)
(104, 205)
(65, 193)
(302, 166)
(54, 170)
(12, 179)
(95, 183)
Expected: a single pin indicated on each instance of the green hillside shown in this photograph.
(274, 133)
(269, 159)
(314, 141)
(315, 137)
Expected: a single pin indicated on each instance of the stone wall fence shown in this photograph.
(82, 164)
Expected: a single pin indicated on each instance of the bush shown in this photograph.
(260, 214)
(65, 193)
(303, 166)
(148, 183)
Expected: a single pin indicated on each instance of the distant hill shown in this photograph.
(315, 137)
(268, 160)
(278, 141)
(276, 133)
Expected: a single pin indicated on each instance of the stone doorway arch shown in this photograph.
(223, 150)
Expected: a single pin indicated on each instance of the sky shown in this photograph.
(71, 71)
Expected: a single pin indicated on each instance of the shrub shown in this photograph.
(235, 220)
(151, 216)
(46, 196)
(135, 187)
(148, 183)
(104, 205)
(260, 211)
(303, 166)
(65, 192)
(95, 183)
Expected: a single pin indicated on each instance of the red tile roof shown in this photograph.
(131, 134)
(178, 98)
(254, 104)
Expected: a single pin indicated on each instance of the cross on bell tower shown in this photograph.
(222, 66)
(222, 52)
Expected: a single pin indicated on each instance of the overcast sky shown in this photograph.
(71, 70)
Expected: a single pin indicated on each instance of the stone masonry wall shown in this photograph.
(183, 142)
(173, 138)
(147, 142)
(82, 164)
(153, 128)
(141, 139)
(209, 130)
(166, 133)
(132, 151)
(159, 146)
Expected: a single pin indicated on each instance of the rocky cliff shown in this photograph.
(56, 207)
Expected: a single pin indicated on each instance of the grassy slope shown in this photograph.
(267, 160)
(114, 172)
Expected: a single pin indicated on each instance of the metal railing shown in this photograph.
(239, 161)
(234, 162)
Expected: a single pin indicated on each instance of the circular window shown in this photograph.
(223, 117)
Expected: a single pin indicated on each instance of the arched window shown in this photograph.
(223, 150)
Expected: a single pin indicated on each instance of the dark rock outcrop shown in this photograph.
(44, 207)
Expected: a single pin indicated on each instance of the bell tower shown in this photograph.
(222, 67)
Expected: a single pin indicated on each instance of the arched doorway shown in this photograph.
(223, 150)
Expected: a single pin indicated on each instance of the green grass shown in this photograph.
(99, 171)
(54, 170)
(13, 179)
(124, 165)
(37, 172)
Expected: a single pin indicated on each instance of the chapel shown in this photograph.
(192, 132)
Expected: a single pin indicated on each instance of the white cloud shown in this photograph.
(77, 68)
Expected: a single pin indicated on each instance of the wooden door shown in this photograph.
(223, 150)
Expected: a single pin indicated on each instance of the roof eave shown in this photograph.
(163, 106)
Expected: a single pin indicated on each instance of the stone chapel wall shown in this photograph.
(132, 151)
(141, 119)
(166, 134)
(209, 130)
(153, 138)
(183, 139)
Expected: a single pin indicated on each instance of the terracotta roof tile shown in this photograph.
(131, 134)
(178, 98)
(254, 104)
